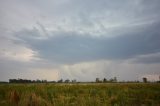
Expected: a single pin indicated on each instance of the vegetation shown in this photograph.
(26, 81)
(80, 94)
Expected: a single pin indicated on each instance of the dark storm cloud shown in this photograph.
(148, 60)
(76, 38)
(70, 47)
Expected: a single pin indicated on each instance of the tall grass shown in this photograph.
(80, 95)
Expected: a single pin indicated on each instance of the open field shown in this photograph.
(102, 94)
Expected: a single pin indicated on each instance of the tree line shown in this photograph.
(26, 81)
(97, 80)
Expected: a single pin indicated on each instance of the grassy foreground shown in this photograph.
(113, 94)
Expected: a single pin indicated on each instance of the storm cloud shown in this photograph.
(79, 39)
(71, 47)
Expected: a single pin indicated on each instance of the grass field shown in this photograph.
(102, 94)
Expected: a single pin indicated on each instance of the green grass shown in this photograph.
(113, 94)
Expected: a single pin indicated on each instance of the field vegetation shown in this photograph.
(80, 94)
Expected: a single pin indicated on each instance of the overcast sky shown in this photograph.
(79, 39)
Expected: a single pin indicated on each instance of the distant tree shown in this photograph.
(38, 81)
(144, 79)
(60, 81)
(74, 81)
(44, 81)
(115, 79)
(10, 80)
(111, 80)
(104, 80)
(97, 80)
(67, 81)
(19, 81)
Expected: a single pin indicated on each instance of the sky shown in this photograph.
(82, 40)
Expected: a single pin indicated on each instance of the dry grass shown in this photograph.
(80, 94)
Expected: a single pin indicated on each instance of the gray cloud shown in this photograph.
(147, 59)
(76, 38)
(70, 47)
